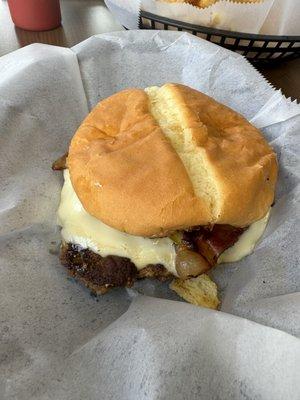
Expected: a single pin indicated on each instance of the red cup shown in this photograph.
(35, 15)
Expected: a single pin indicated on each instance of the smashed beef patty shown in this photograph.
(101, 273)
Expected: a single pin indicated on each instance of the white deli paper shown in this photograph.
(269, 17)
(58, 342)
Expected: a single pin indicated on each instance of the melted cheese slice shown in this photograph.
(246, 242)
(79, 227)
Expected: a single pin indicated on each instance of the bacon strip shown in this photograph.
(60, 163)
(211, 243)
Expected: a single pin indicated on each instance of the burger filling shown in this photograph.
(183, 254)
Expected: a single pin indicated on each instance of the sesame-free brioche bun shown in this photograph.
(148, 162)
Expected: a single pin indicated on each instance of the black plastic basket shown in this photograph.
(258, 49)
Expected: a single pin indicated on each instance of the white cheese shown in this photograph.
(81, 228)
(246, 242)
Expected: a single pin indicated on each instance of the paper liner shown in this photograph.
(58, 342)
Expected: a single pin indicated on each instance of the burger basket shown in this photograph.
(258, 49)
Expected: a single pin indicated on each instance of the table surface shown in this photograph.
(83, 18)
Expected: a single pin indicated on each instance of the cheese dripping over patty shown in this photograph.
(81, 228)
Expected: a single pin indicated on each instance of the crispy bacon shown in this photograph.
(211, 242)
(60, 163)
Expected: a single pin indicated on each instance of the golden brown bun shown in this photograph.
(149, 162)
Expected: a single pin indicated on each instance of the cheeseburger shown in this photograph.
(162, 183)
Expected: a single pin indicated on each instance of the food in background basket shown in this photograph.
(207, 3)
(193, 2)
(163, 183)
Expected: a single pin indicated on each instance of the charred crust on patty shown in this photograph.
(156, 271)
(100, 274)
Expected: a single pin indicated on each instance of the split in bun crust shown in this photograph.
(154, 161)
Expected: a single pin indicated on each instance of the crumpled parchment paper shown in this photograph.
(58, 342)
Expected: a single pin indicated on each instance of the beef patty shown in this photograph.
(100, 274)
